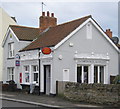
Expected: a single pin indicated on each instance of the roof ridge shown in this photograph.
(23, 26)
(89, 16)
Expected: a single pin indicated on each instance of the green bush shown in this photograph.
(117, 80)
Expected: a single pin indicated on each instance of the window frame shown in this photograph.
(99, 74)
(81, 73)
(11, 53)
(27, 73)
(35, 71)
(10, 73)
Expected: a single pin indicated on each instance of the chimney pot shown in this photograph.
(109, 33)
(48, 14)
(43, 13)
(52, 14)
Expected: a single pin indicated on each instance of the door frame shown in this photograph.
(45, 84)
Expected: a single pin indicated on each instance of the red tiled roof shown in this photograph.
(25, 33)
(55, 34)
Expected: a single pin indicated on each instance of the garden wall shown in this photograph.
(91, 93)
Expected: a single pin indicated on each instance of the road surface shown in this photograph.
(14, 105)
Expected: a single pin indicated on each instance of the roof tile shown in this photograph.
(55, 34)
(25, 33)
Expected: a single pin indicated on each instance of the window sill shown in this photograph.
(29, 84)
(11, 58)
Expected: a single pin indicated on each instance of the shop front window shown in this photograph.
(82, 74)
(26, 74)
(98, 74)
(35, 74)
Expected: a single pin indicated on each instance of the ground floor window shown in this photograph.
(11, 73)
(35, 73)
(102, 69)
(26, 73)
(99, 74)
(82, 74)
(84, 71)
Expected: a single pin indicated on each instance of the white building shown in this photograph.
(77, 51)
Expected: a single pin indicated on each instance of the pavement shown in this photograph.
(53, 102)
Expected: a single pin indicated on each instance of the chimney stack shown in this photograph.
(47, 20)
(109, 33)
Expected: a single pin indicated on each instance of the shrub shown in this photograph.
(12, 86)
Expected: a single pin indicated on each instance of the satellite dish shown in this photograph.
(115, 40)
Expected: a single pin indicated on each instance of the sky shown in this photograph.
(27, 12)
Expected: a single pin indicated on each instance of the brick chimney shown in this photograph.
(47, 21)
(109, 33)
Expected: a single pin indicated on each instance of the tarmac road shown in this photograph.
(6, 104)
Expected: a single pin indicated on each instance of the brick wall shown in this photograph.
(47, 21)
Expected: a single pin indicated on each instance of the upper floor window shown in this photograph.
(11, 50)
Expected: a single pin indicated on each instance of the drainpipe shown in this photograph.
(39, 70)
(119, 63)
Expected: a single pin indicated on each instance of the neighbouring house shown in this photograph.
(75, 51)
(17, 37)
(5, 21)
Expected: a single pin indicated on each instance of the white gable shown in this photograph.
(7, 34)
(81, 26)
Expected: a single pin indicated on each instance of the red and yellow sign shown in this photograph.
(46, 50)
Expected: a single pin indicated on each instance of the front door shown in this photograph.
(47, 79)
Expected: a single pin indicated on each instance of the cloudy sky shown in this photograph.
(27, 12)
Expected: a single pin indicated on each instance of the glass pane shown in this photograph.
(26, 77)
(101, 74)
(34, 68)
(12, 77)
(95, 74)
(26, 68)
(12, 72)
(79, 74)
(36, 77)
(85, 74)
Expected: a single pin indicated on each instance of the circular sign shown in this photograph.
(46, 50)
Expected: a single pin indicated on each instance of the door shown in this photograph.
(47, 79)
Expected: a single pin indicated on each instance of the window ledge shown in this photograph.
(11, 58)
